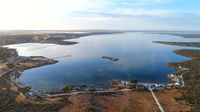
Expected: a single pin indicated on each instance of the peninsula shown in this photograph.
(187, 44)
(40, 37)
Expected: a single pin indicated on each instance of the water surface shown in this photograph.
(139, 59)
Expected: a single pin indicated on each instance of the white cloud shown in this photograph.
(30, 7)
(86, 14)
(145, 2)
(30, 13)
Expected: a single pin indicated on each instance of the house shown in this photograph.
(178, 84)
(34, 94)
(125, 82)
(140, 88)
(160, 86)
(180, 67)
(169, 86)
(148, 85)
(185, 69)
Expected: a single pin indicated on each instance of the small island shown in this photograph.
(110, 58)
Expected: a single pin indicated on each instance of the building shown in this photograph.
(140, 88)
(34, 94)
(169, 86)
(125, 82)
(185, 69)
(177, 84)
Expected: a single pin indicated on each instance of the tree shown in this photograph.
(133, 81)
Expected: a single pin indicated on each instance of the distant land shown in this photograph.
(43, 37)
(187, 44)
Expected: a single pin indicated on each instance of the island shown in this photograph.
(110, 58)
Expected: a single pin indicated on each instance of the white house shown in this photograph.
(125, 82)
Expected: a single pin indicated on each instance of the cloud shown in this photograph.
(78, 14)
(41, 13)
(49, 6)
(127, 14)
(140, 18)
(145, 2)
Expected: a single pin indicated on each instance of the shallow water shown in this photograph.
(139, 59)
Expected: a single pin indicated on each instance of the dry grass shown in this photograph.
(168, 101)
(123, 102)
(21, 98)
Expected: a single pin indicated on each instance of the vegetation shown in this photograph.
(133, 81)
(8, 103)
(68, 89)
(187, 35)
(189, 44)
(5, 53)
(92, 90)
(191, 91)
(89, 109)
(54, 38)
(8, 97)
(130, 108)
(9, 92)
(10, 65)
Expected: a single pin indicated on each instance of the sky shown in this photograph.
(173, 15)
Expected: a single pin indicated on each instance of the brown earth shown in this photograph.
(133, 101)
(34, 100)
(122, 102)
(167, 99)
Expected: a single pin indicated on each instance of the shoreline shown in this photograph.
(110, 58)
(21, 86)
(186, 44)
(13, 79)
(21, 90)
(44, 64)
(46, 38)
(38, 61)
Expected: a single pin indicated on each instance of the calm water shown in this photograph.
(139, 59)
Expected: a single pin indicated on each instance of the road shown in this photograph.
(183, 83)
(74, 93)
(157, 102)
(110, 91)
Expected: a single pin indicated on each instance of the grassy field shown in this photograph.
(191, 91)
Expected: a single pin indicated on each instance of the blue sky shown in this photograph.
(100, 14)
